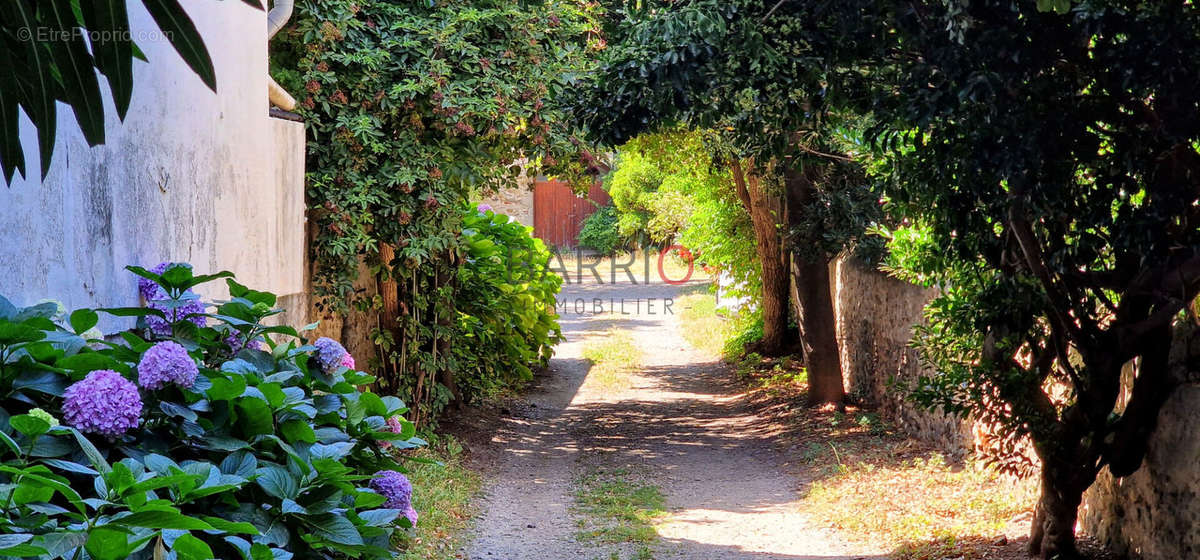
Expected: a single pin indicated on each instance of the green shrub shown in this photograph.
(231, 444)
(506, 304)
(747, 330)
(601, 232)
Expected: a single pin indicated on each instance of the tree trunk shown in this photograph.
(814, 300)
(766, 211)
(818, 332)
(1052, 536)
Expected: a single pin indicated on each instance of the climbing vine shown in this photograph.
(408, 106)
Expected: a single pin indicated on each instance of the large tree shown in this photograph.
(1049, 162)
(741, 68)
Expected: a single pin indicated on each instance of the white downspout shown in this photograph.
(281, 11)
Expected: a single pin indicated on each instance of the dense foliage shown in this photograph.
(754, 72)
(601, 231)
(199, 435)
(1051, 179)
(693, 203)
(408, 106)
(51, 51)
(1042, 157)
(507, 298)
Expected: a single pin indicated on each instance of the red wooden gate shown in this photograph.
(558, 214)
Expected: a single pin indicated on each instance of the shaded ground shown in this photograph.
(680, 425)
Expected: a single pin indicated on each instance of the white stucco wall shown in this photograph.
(190, 175)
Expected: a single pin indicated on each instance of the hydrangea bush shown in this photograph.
(202, 433)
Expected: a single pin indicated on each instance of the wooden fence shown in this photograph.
(558, 214)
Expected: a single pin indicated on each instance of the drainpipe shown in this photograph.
(280, 12)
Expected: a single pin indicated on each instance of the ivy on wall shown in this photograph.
(408, 107)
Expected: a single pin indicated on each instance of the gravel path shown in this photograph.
(681, 425)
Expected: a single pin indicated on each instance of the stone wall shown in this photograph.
(1154, 514)
(190, 175)
(515, 201)
(875, 317)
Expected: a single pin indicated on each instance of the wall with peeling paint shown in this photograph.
(190, 175)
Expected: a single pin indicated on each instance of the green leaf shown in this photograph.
(238, 527)
(226, 388)
(111, 47)
(379, 517)
(84, 319)
(372, 404)
(88, 362)
(13, 333)
(296, 431)
(180, 30)
(37, 83)
(94, 456)
(161, 519)
(77, 72)
(11, 542)
(29, 425)
(47, 382)
(336, 528)
(277, 482)
(242, 463)
(108, 543)
(255, 417)
(70, 466)
(223, 443)
(188, 547)
(12, 156)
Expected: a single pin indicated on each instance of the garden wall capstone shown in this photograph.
(190, 175)
(875, 318)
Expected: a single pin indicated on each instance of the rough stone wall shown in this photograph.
(190, 175)
(1154, 514)
(875, 319)
(515, 201)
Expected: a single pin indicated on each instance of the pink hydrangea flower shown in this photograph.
(395, 427)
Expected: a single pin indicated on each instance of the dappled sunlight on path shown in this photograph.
(678, 423)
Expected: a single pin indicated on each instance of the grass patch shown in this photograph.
(715, 331)
(883, 488)
(615, 356)
(703, 327)
(442, 496)
(927, 499)
(617, 509)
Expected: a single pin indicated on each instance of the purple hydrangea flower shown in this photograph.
(102, 403)
(330, 354)
(149, 290)
(154, 294)
(167, 362)
(190, 311)
(235, 343)
(398, 490)
(483, 208)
